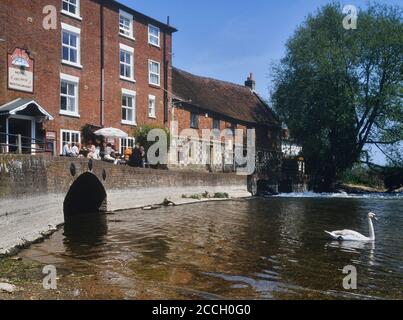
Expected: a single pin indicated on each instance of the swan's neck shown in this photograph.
(371, 229)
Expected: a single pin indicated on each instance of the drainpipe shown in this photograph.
(102, 111)
(166, 65)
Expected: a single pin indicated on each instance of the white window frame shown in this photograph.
(152, 113)
(123, 146)
(128, 16)
(129, 50)
(70, 132)
(68, 13)
(76, 81)
(132, 94)
(77, 32)
(150, 73)
(150, 36)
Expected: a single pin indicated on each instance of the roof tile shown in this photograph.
(229, 99)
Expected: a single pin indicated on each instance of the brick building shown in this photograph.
(100, 63)
(204, 103)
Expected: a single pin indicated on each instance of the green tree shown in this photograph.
(340, 90)
(141, 134)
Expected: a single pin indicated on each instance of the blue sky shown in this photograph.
(228, 39)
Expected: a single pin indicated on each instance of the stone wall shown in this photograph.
(33, 188)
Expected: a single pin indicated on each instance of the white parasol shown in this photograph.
(111, 133)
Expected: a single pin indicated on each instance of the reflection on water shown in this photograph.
(264, 248)
(85, 232)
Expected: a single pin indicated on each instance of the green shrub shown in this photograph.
(196, 197)
(141, 133)
(87, 134)
(221, 195)
(362, 175)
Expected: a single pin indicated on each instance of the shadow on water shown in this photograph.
(84, 232)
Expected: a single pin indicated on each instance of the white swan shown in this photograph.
(350, 235)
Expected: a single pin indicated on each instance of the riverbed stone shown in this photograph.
(6, 287)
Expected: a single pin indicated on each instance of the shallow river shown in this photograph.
(271, 248)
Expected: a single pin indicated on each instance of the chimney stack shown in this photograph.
(250, 83)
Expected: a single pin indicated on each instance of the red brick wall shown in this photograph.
(266, 138)
(45, 48)
(182, 116)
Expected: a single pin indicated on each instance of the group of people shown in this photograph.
(72, 150)
(134, 157)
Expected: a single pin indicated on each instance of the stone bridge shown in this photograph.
(36, 191)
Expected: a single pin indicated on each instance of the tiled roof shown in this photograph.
(231, 100)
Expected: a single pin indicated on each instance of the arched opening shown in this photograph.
(86, 195)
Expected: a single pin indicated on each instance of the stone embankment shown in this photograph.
(33, 190)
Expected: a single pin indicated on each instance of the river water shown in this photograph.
(272, 248)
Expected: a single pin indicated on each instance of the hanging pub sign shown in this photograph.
(20, 71)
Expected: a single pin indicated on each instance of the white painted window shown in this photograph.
(71, 45)
(126, 24)
(69, 137)
(71, 8)
(126, 62)
(128, 107)
(154, 72)
(126, 143)
(153, 35)
(69, 95)
(151, 106)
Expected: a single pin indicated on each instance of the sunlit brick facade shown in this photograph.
(105, 65)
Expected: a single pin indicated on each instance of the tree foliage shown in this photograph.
(141, 134)
(340, 90)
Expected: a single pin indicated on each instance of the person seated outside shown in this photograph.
(135, 158)
(67, 150)
(127, 154)
(94, 153)
(102, 150)
(75, 151)
(84, 150)
(109, 154)
(80, 150)
(97, 155)
(142, 157)
(114, 153)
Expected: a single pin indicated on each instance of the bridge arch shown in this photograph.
(86, 195)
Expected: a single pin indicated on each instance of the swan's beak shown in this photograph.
(376, 218)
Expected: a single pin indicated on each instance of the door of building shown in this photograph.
(21, 127)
